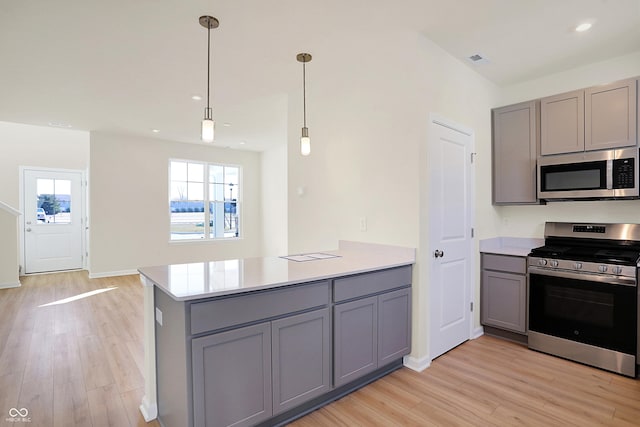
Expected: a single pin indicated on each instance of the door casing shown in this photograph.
(83, 206)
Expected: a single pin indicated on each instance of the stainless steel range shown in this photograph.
(583, 294)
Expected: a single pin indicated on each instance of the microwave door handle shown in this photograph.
(609, 174)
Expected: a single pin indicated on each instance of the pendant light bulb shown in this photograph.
(305, 141)
(208, 125)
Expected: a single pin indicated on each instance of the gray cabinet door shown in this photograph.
(504, 300)
(232, 377)
(515, 148)
(301, 358)
(355, 339)
(394, 325)
(610, 115)
(562, 123)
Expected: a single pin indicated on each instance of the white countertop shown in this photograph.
(516, 246)
(184, 282)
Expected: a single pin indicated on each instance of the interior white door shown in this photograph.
(450, 240)
(52, 220)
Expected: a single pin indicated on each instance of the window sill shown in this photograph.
(204, 241)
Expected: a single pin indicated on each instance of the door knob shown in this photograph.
(28, 229)
(438, 253)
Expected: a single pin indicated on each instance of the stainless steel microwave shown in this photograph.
(610, 174)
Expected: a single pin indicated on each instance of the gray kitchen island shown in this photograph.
(262, 341)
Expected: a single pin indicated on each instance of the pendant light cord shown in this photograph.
(208, 59)
(304, 93)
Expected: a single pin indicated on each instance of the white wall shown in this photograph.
(368, 120)
(46, 147)
(26, 145)
(365, 117)
(597, 73)
(274, 201)
(129, 208)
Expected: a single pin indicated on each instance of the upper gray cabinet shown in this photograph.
(562, 123)
(595, 118)
(515, 148)
(610, 115)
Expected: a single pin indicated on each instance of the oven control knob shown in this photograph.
(578, 265)
(554, 263)
(617, 270)
(542, 262)
(602, 269)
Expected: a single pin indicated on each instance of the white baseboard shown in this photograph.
(112, 274)
(416, 364)
(149, 410)
(420, 364)
(10, 285)
(477, 332)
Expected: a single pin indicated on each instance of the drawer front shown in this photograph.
(370, 283)
(512, 264)
(246, 308)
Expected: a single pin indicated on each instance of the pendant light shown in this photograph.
(305, 141)
(208, 22)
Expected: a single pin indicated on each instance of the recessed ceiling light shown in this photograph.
(196, 98)
(583, 27)
(242, 142)
(155, 130)
(226, 124)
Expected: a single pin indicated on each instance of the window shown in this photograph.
(54, 201)
(204, 200)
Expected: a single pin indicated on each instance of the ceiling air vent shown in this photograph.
(476, 58)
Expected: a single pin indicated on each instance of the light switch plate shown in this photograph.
(158, 316)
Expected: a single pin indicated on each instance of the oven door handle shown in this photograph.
(590, 277)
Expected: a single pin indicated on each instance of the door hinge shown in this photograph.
(471, 306)
(473, 156)
(472, 233)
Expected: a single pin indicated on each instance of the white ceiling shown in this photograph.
(130, 66)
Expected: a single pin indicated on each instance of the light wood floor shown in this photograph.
(489, 382)
(79, 364)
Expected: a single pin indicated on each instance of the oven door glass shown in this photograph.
(600, 314)
(574, 176)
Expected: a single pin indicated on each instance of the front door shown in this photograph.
(52, 220)
(450, 240)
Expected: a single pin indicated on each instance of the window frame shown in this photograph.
(207, 200)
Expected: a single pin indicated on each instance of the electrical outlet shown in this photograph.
(158, 316)
(363, 223)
